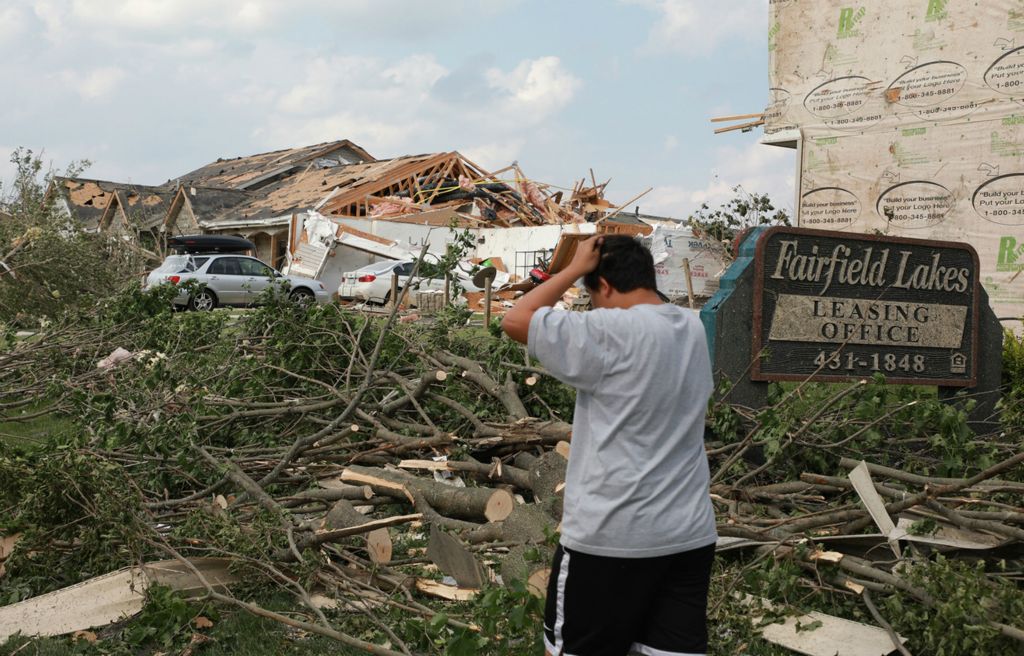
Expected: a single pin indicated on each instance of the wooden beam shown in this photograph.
(740, 117)
(445, 172)
(741, 126)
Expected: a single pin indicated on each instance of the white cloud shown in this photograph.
(418, 72)
(171, 15)
(51, 14)
(494, 155)
(191, 47)
(671, 142)
(756, 168)
(96, 83)
(13, 24)
(379, 136)
(400, 106)
(334, 82)
(138, 19)
(699, 26)
(537, 87)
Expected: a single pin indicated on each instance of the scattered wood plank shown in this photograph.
(442, 591)
(454, 559)
(106, 599)
(819, 634)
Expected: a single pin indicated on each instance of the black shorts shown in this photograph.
(599, 606)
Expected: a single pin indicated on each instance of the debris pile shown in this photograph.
(374, 467)
(480, 197)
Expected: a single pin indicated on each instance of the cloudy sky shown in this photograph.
(150, 89)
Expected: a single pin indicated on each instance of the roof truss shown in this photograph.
(419, 178)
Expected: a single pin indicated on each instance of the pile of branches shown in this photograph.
(311, 446)
(392, 468)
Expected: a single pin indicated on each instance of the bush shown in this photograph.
(49, 264)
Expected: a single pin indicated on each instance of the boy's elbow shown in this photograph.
(515, 327)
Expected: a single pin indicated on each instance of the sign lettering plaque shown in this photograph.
(834, 306)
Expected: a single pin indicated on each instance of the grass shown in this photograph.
(34, 432)
(234, 632)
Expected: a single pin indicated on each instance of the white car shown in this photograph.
(372, 283)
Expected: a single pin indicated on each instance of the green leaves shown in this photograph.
(743, 211)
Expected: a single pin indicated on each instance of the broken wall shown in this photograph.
(517, 246)
(410, 236)
(912, 117)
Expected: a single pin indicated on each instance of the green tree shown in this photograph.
(48, 264)
(744, 210)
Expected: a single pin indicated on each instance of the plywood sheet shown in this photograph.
(960, 181)
(880, 64)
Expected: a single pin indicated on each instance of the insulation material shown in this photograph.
(879, 64)
(670, 246)
(961, 181)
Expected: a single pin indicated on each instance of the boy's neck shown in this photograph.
(623, 301)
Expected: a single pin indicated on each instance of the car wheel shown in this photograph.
(203, 301)
(302, 297)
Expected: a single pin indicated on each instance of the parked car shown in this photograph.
(372, 283)
(229, 279)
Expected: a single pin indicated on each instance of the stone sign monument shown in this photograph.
(833, 306)
(801, 304)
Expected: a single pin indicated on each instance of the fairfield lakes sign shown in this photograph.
(835, 306)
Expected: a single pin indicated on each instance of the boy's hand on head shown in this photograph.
(588, 256)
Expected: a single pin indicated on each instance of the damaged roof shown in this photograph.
(257, 183)
(306, 189)
(255, 171)
(338, 178)
(208, 202)
(89, 199)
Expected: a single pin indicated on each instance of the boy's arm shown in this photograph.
(516, 323)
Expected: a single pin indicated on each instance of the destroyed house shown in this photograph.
(100, 205)
(240, 196)
(375, 208)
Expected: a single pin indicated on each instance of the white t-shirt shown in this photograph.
(637, 482)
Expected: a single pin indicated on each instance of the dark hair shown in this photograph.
(625, 263)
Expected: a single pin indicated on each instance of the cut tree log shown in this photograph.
(527, 524)
(520, 478)
(422, 385)
(350, 492)
(530, 564)
(523, 460)
(344, 515)
(546, 472)
(468, 503)
(375, 482)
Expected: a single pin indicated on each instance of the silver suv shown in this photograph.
(230, 280)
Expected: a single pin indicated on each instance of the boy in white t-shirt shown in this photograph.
(633, 565)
